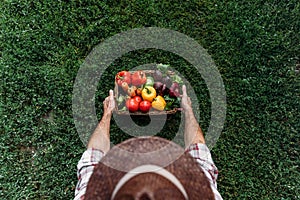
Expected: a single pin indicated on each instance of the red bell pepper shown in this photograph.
(123, 77)
(138, 78)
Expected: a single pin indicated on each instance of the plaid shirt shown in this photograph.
(91, 157)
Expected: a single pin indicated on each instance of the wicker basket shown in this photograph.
(139, 113)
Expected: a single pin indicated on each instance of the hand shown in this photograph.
(186, 103)
(109, 103)
(192, 131)
(100, 139)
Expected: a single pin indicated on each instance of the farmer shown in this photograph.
(147, 167)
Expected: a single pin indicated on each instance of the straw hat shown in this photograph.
(148, 168)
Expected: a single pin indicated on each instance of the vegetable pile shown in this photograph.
(143, 91)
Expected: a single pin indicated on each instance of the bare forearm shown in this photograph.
(100, 139)
(192, 132)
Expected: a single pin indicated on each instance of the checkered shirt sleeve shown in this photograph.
(85, 167)
(202, 155)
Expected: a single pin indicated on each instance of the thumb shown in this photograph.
(111, 94)
(184, 90)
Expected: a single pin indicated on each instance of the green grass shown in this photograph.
(255, 45)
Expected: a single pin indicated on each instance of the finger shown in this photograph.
(105, 103)
(106, 100)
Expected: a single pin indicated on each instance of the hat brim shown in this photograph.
(147, 151)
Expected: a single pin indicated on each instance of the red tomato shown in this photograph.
(145, 106)
(138, 98)
(132, 105)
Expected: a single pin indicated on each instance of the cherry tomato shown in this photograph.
(132, 105)
(145, 106)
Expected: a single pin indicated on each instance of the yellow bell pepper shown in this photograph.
(159, 103)
(148, 93)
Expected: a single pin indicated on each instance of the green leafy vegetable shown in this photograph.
(171, 102)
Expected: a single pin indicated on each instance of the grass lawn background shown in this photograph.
(255, 45)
